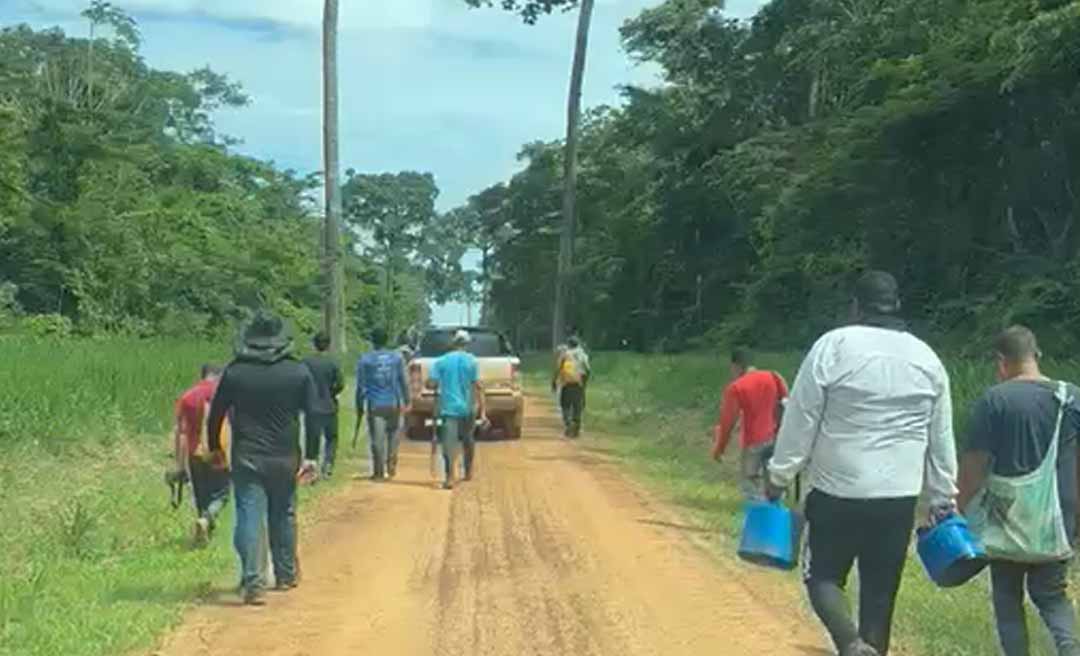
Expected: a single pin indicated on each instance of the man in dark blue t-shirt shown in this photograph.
(1011, 432)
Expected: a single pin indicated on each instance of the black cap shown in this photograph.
(877, 292)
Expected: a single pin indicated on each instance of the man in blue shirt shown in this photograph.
(456, 376)
(382, 390)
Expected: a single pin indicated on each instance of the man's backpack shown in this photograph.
(569, 373)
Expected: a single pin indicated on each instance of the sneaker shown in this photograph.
(202, 532)
(860, 648)
(447, 485)
(286, 586)
(254, 597)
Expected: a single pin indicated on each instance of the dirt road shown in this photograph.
(550, 551)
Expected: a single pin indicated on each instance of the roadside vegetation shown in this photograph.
(655, 413)
(93, 561)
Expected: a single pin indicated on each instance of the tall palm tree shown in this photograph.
(573, 120)
(333, 275)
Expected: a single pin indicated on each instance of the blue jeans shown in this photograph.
(383, 426)
(260, 497)
(457, 433)
(1047, 585)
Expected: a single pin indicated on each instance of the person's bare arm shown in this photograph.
(179, 452)
(974, 467)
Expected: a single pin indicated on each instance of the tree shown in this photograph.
(333, 292)
(530, 10)
(393, 214)
(564, 281)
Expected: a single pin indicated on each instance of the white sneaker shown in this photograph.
(202, 532)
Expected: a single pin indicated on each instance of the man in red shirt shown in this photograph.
(208, 473)
(754, 397)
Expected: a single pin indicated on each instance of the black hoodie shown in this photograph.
(265, 391)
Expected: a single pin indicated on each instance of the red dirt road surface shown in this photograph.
(550, 551)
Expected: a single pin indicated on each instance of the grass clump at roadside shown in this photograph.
(656, 413)
(93, 561)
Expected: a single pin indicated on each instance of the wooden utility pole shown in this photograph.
(333, 274)
(569, 233)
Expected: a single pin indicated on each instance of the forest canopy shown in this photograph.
(782, 155)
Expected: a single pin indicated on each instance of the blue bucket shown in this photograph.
(771, 535)
(950, 552)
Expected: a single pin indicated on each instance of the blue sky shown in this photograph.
(425, 84)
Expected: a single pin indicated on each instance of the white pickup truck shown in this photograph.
(500, 376)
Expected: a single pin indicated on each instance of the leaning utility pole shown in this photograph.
(332, 271)
(569, 213)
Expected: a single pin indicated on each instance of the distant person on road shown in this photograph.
(329, 383)
(382, 390)
(266, 389)
(572, 371)
(209, 476)
(1022, 447)
(753, 397)
(871, 412)
(456, 377)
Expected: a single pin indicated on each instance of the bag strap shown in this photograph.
(1063, 399)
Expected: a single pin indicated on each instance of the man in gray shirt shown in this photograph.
(1013, 426)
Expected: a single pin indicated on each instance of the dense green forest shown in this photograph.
(783, 154)
(123, 210)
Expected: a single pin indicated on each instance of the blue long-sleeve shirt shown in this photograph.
(381, 381)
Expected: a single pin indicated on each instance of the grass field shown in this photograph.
(661, 409)
(93, 561)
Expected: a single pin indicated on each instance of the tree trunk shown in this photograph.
(333, 275)
(566, 242)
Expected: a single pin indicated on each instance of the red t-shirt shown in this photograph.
(191, 412)
(754, 395)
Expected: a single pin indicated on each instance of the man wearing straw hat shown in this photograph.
(871, 413)
(266, 389)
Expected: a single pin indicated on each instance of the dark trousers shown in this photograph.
(1047, 584)
(572, 401)
(209, 487)
(325, 427)
(874, 533)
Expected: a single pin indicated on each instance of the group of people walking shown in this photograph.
(240, 428)
(869, 421)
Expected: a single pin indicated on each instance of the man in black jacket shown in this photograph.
(323, 421)
(266, 390)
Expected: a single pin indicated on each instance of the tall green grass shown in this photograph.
(93, 562)
(656, 413)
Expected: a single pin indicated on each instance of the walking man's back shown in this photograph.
(323, 420)
(871, 413)
(266, 390)
(456, 376)
(1023, 447)
(754, 397)
(382, 391)
(572, 372)
(209, 478)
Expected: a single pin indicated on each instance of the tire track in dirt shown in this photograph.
(550, 551)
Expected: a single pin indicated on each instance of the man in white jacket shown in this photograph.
(870, 418)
